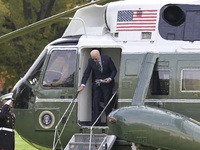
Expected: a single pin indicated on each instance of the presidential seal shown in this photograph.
(46, 119)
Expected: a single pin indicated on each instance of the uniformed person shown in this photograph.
(7, 124)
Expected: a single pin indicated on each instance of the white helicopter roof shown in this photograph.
(92, 20)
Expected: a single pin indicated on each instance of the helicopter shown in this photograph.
(155, 48)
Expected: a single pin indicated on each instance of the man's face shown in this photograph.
(4, 101)
(95, 57)
(11, 104)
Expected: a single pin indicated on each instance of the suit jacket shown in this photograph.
(109, 69)
(7, 120)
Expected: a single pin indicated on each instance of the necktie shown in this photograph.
(99, 66)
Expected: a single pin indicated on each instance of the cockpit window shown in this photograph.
(61, 69)
(190, 80)
(160, 82)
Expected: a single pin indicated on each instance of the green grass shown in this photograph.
(20, 144)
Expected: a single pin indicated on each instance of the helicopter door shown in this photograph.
(85, 101)
(56, 87)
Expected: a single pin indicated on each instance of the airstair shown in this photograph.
(84, 141)
(81, 141)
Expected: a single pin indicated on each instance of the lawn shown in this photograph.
(20, 144)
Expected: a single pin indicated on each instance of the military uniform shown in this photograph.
(7, 124)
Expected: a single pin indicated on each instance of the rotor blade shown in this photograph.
(47, 21)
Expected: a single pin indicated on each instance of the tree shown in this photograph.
(17, 55)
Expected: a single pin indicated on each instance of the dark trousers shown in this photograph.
(103, 91)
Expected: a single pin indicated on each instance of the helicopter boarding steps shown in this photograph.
(81, 141)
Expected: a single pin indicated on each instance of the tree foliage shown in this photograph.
(17, 55)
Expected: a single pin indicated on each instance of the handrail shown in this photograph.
(91, 128)
(56, 127)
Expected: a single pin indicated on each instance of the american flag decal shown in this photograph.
(136, 20)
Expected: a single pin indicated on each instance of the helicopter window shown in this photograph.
(179, 22)
(32, 76)
(173, 15)
(190, 80)
(160, 83)
(60, 70)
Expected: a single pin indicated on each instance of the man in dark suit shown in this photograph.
(103, 68)
(7, 124)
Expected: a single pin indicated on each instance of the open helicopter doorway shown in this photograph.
(85, 97)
